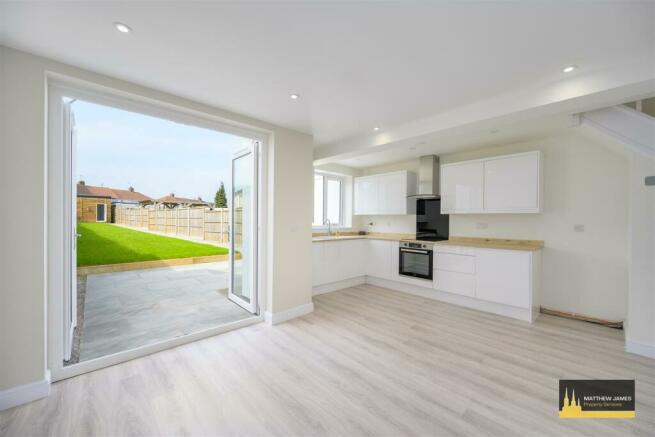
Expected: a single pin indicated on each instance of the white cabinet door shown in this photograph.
(461, 187)
(511, 184)
(318, 265)
(504, 276)
(352, 261)
(378, 259)
(334, 261)
(454, 262)
(454, 282)
(395, 261)
(366, 195)
(392, 193)
(331, 261)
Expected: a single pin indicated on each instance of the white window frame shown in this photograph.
(342, 181)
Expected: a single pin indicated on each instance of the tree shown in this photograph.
(220, 200)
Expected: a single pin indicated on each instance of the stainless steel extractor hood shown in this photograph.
(428, 178)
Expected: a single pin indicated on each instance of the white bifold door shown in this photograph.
(243, 229)
(70, 297)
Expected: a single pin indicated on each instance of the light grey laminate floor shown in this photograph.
(367, 362)
(136, 308)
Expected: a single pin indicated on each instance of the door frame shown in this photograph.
(59, 199)
(70, 250)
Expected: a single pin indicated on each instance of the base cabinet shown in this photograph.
(378, 259)
(504, 276)
(499, 281)
(334, 261)
(455, 282)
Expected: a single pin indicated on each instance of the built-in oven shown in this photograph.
(415, 260)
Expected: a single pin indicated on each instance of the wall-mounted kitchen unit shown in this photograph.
(385, 194)
(502, 184)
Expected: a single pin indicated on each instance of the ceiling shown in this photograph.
(441, 145)
(355, 65)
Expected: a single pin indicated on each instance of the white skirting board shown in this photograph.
(639, 348)
(25, 393)
(291, 313)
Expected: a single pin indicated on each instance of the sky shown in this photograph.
(119, 149)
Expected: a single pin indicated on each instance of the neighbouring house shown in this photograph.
(171, 201)
(92, 209)
(94, 204)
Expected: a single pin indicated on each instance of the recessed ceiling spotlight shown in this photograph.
(412, 147)
(569, 68)
(376, 128)
(122, 27)
(294, 96)
(493, 131)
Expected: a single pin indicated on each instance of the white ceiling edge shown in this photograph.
(579, 93)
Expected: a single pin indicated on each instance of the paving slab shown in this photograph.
(126, 310)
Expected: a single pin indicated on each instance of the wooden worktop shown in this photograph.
(493, 243)
(488, 243)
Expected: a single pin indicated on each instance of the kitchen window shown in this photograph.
(328, 199)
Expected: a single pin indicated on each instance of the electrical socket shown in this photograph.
(578, 228)
(482, 225)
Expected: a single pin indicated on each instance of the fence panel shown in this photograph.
(200, 223)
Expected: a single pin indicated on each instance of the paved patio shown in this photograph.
(136, 308)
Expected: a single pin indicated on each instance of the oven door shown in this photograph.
(416, 263)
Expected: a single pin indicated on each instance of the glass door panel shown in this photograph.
(243, 230)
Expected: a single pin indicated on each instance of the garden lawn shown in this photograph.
(103, 243)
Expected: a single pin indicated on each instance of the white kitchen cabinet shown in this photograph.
(504, 276)
(334, 261)
(462, 187)
(353, 258)
(454, 272)
(378, 259)
(500, 281)
(392, 194)
(502, 184)
(395, 261)
(318, 268)
(454, 282)
(454, 262)
(385, 194)
(512, 183)
(366, 195)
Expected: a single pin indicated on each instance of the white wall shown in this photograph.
(292, 205)
(640, 330)
(23, 284)
(23, 237)
(3, 161)
(586, 182)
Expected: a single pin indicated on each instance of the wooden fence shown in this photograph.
(200, 223)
